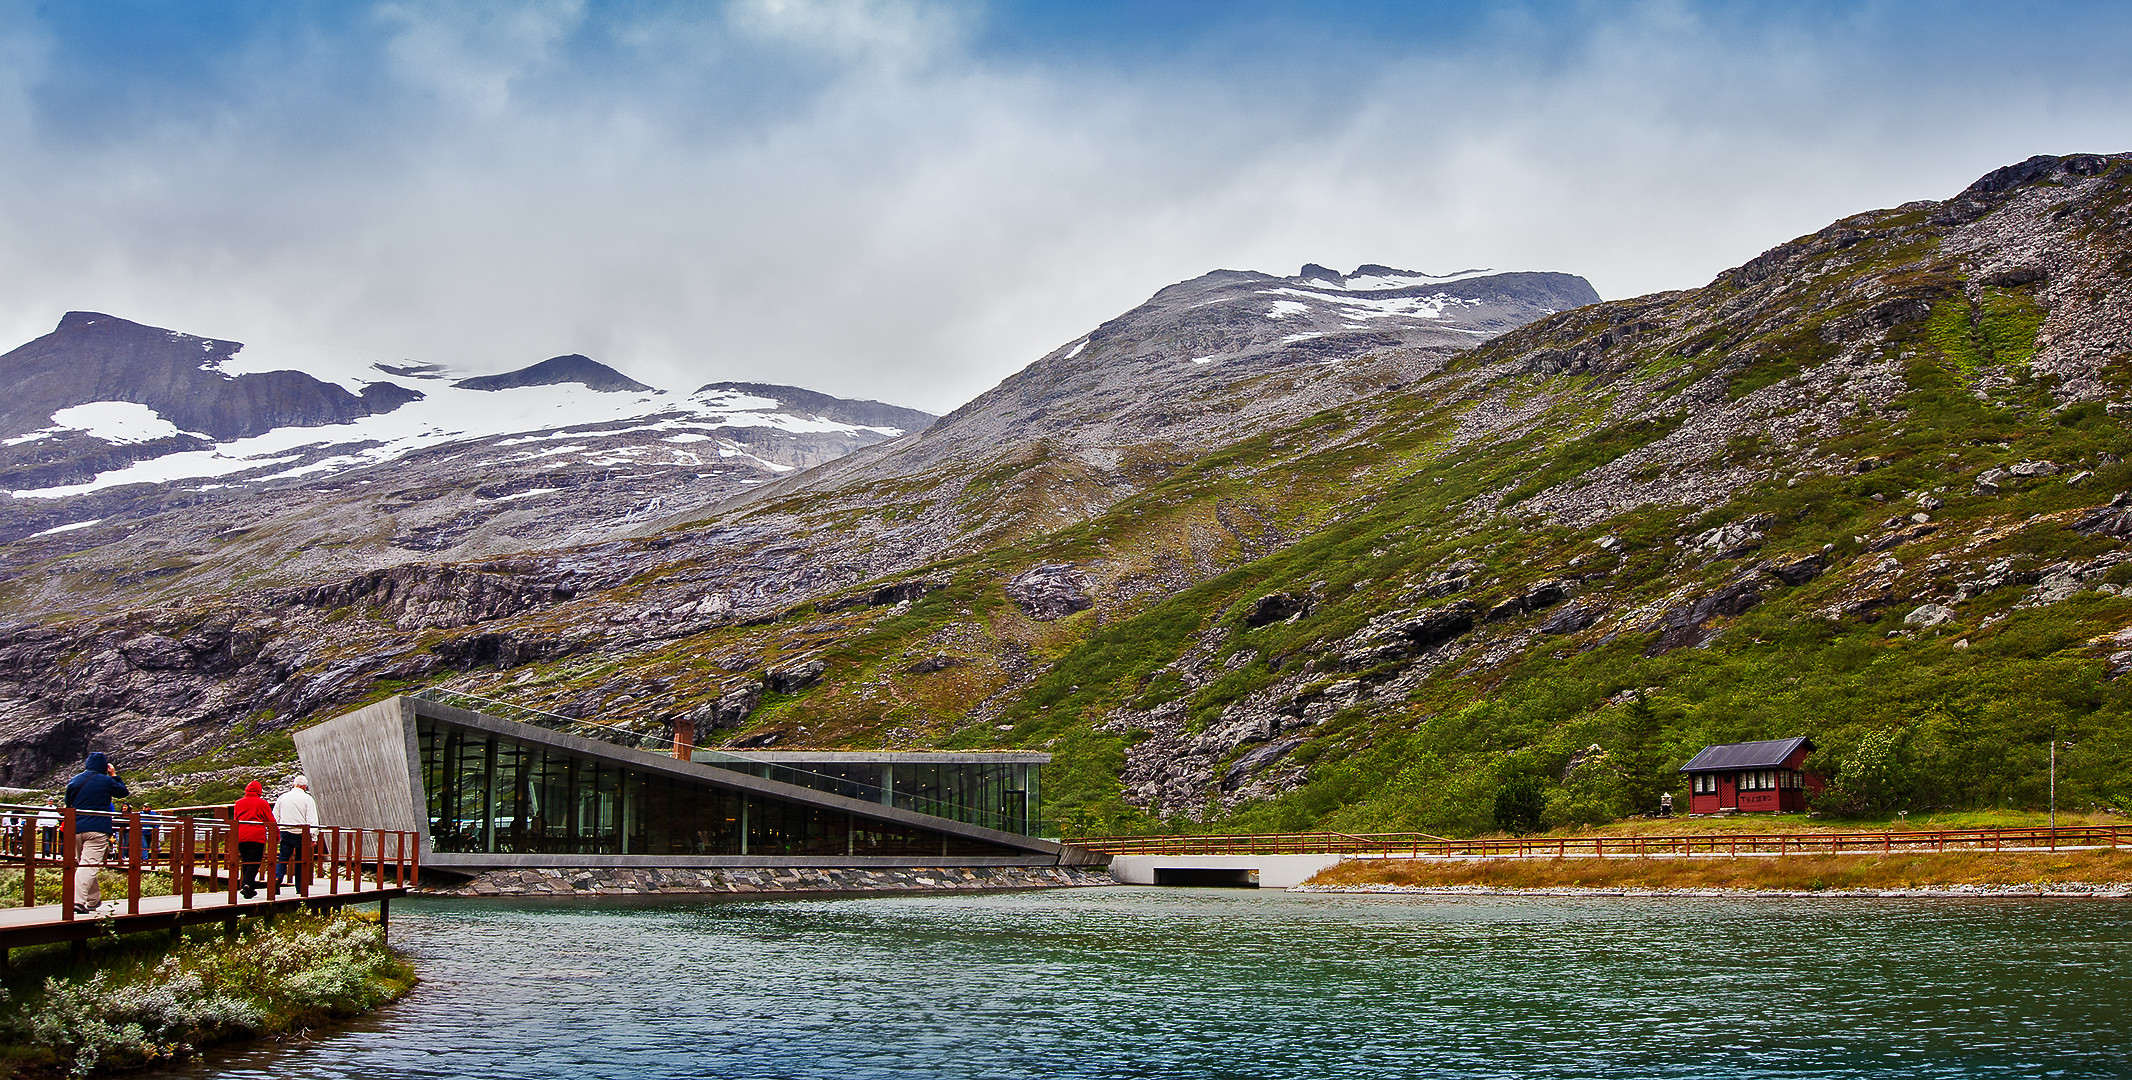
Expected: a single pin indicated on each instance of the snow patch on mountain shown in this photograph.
(1379, 279)
(119, 422)
(71, 526)
(445, 414)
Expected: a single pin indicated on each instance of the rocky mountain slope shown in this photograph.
(138, 464)
(1867, 487)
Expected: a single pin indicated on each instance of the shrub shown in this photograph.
(129, 1014)
(1519, 805)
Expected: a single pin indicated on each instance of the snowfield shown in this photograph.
(446, 414)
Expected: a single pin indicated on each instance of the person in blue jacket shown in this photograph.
(89, 793)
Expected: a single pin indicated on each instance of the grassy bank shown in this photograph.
(1782, 873)
(140, 999)
(1765, 824)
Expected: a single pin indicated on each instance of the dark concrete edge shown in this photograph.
(891, 757)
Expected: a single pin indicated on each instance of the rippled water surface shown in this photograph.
(1137, 982)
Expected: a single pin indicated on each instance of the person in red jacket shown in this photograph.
(255, 824)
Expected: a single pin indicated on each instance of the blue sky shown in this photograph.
(910, 201)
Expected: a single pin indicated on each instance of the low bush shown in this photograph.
(132, 1004)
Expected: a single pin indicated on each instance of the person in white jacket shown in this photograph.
(294, 810)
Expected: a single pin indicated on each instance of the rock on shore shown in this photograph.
(649, 881)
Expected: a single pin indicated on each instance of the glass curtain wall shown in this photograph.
(999, 796)
(493, 794)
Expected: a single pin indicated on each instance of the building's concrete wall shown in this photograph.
(1274, 871)
(362, 769)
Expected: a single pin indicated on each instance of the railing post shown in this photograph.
(133, 862)
(229, 851)
(183, 883)
(31, 833)
(381, 858)
(67, 869)
(303, 861)
(333, 861)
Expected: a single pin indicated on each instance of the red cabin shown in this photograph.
(1750, 776)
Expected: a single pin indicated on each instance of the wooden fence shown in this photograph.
(1423, 845)
(192, 843)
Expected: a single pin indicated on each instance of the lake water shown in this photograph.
(1142, 982)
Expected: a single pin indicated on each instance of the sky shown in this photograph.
(910, 201)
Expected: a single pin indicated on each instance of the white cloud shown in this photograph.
(470, 55)
(860, 198)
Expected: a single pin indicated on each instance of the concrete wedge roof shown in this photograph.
(1745, 755)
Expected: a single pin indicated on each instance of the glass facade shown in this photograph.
(494, 794)
(996, 795)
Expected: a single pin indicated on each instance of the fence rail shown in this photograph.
(329, 860)
(1423, 845)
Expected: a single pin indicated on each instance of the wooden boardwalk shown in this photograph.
(21, 927)
(332, 867)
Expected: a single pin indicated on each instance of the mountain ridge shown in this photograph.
(1868, 487)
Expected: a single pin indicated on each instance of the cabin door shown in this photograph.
(1728, 791)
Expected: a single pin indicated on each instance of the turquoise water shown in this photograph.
(1139, 982)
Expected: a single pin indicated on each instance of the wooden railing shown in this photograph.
(1423, 845)
(330, 860)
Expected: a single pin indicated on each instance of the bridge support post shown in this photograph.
(385, 918)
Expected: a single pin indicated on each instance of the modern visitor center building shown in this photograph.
(489, 786)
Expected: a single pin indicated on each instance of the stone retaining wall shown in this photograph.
(654, 881)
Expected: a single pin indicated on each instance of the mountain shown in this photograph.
(231, 558)
(557, 371)
(1200, 364)
(1867, 487)
(138, 464)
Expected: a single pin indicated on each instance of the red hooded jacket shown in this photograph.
(255, 816)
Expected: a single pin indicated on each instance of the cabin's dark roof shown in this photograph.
(1745, 755)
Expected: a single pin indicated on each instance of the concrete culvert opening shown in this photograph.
(1216, 877)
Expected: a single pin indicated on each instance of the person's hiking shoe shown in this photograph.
(247, 893)
(84, 909)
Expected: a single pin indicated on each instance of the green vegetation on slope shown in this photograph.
(1820, 410)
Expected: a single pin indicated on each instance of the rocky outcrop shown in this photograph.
(555, 371)
(1401, 634)
(1277, 607)
(1689, 624)
(1050, 592)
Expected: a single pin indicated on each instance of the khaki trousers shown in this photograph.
(90, 851)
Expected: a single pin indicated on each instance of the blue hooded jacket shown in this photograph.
(93, 790)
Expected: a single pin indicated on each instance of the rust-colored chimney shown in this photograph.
(684, 736)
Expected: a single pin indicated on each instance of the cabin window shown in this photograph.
(1759, 780)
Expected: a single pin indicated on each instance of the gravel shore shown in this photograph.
(2077, 890)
